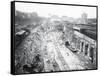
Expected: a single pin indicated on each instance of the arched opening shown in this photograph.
(82, 46)
(91, 53)
(86, 49)
(67, 43)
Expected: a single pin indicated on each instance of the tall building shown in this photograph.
(84, 18)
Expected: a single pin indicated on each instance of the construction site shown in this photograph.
(54, 45)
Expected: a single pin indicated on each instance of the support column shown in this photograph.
(82, 43)
(80, 46)
(89, 51)
(95, 56)
(76, 43)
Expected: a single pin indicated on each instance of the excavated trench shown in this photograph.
(44, 51)
(32, 55)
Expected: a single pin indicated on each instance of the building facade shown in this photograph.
(82, 43)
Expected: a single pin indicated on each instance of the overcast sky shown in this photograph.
(60, 10)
